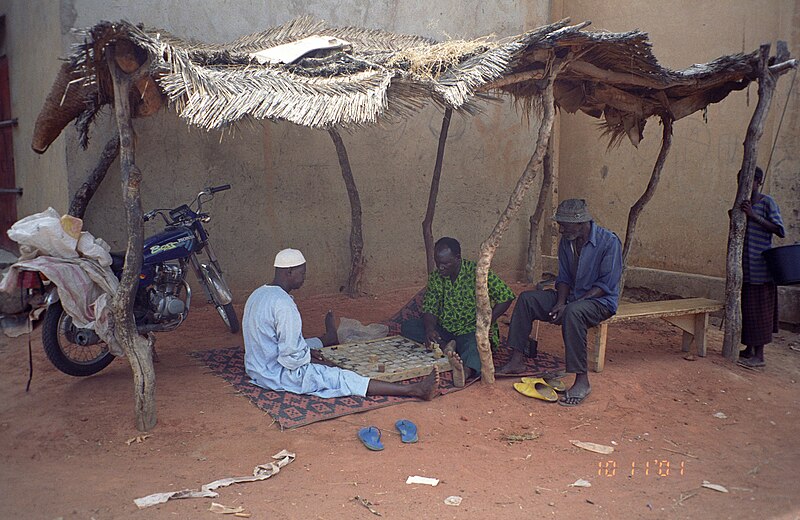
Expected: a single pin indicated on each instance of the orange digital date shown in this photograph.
(655, 467)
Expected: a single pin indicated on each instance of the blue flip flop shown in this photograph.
(371, 437)
(408, 430)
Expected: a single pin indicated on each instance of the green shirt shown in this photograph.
(453, 303)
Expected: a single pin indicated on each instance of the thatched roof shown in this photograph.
(613, 76)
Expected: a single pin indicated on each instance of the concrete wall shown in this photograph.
(685, 226)
(287, 186)
(288, 189)
(33, 45)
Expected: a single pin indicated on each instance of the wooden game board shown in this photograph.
(393, 358)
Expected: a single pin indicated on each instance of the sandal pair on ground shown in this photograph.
(544, 388)
(547, 389)
(370, 436)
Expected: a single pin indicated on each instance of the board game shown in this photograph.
(393, 358)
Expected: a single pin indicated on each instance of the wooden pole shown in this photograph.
(489, 246)
(767, 80)
(636, 209)
(80, 200)
(427, 222)
(353, 287)
(137, 348)
(533, 267)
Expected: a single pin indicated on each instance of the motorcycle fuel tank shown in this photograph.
(169, 245)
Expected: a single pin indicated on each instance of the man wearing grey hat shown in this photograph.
(278, 357)
(587, 292)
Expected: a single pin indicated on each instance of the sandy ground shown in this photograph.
(65, 455)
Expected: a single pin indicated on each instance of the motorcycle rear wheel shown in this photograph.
(66, 355)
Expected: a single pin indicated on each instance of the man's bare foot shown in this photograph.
(459, 377)
(331, 337)
(428, 388)
(577, 392)
(515, 366)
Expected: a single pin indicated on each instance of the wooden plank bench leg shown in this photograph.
(700, 326)
(596, 342)
(694, 331)
(686, 345)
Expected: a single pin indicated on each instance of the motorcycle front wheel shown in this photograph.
(217, 289)
(64, 349)
(228, 315)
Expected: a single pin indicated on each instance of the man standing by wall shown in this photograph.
(759, 292)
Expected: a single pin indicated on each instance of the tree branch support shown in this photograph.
(357, 261)
(427, 222)
(489, 246)
(137, 348)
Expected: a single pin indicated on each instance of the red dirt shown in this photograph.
(65, 452)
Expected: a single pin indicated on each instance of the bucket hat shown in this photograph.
(572, 210)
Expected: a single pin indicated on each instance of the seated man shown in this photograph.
(277, 357)
(449, 309)
(587, 292)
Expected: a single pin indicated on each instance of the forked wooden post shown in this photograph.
(636, 209)
(533, 267)
(84, 194)
(767, 80)
(489, 246)
(137, 348)
(353, 287)
(427, 222)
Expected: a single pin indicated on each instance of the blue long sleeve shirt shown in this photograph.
(598, 265)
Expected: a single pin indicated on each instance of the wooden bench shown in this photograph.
(690, 315)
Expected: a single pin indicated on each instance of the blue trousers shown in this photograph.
(466, 344)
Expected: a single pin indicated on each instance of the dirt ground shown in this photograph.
(65, 455)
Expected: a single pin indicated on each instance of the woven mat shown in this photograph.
(293, 410)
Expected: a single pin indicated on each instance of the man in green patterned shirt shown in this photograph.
(449, 309)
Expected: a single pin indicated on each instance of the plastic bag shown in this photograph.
(49, 234)
(94, 248)
(42, 234)
(353, 330)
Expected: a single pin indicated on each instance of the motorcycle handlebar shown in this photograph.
(216, 189)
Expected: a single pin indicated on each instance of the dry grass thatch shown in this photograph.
(613, 76)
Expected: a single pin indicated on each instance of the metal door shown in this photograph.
(8, 189)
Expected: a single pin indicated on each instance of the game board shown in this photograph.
(393, 358)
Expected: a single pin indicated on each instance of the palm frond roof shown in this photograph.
(385, 76)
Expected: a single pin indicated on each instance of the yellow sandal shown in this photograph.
(537, 388)
(556, 384)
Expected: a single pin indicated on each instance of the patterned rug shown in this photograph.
(293, 410)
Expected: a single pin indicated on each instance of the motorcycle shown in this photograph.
(163, 297)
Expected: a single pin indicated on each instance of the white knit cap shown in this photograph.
(289, 258)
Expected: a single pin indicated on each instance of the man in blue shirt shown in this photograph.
(587, 292)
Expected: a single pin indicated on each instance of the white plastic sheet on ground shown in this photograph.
(351, 330)
(260, 472)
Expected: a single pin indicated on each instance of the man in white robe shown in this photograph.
(277, 357)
